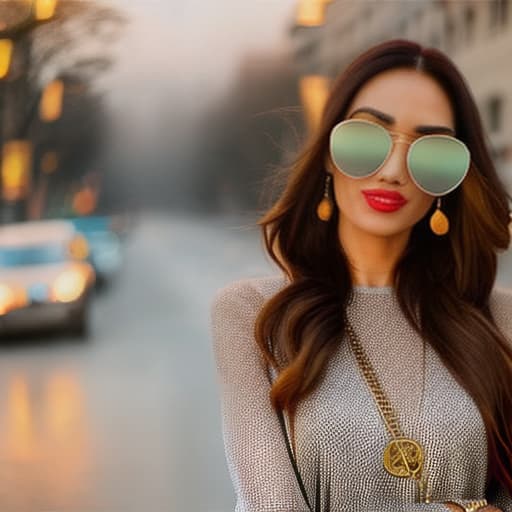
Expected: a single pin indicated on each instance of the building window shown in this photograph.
(495, 113)
(469, 23)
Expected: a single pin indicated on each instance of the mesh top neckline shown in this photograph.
(387, 290)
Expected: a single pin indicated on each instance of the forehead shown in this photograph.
(410, 96)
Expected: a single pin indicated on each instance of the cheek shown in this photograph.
(347, 190)
(422, 203)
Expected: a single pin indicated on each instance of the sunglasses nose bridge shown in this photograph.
(401, 137)
(397, 138)
(393, 170)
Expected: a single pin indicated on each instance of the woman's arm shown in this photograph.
(258, 463)
(501, 308)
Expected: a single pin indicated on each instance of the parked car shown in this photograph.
(105, 246)
(45, 280)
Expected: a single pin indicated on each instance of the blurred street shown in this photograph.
(131, 168)
(128, 419)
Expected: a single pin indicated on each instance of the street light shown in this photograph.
(39, 11)
(5, 56)
(313, 90)
(311, 13)
(16, 169)
(50, 107)
(16, 24)
(44, 9)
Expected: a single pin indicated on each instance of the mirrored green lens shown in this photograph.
(358, 148)
(438, 164)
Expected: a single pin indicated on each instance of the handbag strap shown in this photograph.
(289, 450)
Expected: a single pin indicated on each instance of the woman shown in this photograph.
(388, 345)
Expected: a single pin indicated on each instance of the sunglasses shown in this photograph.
(436, 163)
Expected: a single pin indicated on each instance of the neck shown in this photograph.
(372, 258)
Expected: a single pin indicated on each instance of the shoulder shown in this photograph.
(500, 304)
(246, 292)
(233, 311)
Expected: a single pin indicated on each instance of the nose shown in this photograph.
(394, 169)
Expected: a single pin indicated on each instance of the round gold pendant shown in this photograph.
(403, 457)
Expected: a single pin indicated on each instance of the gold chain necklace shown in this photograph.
(403, 457)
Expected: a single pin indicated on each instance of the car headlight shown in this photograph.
(69, 285)
(7, 298)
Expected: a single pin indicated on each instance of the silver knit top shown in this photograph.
(339, 431)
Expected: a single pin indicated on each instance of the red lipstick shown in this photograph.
(384, 200)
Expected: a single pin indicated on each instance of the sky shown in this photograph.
(190, 49)
(172, 62)
(174, 59)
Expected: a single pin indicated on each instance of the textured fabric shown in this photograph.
(339, 431)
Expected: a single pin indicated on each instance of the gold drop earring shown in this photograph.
(439, 221)
(324, 208)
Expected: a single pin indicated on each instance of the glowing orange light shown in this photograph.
(20, 422)
(79, 248)
(45, 424)
(16, 168)
(6, 298)
(69, 285)
(5, 56)
(44, 9)
(64, 405)
(314, 90)
(50, 107)
(311, 13)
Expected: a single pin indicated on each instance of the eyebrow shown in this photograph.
(388, 119)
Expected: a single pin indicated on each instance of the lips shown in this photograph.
(384, 200)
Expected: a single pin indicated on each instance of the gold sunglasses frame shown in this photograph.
(400, 137)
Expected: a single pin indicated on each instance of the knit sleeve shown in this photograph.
(500, 304)
(501, 308)
(258, 463)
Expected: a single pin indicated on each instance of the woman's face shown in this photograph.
(411, 98)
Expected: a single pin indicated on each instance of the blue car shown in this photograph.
(45, 281)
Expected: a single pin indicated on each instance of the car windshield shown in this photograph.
(33, 255)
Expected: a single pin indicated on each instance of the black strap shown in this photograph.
(289, 449)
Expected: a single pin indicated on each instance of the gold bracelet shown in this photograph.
(469, 505)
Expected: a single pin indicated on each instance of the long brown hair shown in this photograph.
(443, 284)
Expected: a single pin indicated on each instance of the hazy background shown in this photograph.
(160, 124)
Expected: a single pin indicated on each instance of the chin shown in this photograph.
(383, 228)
